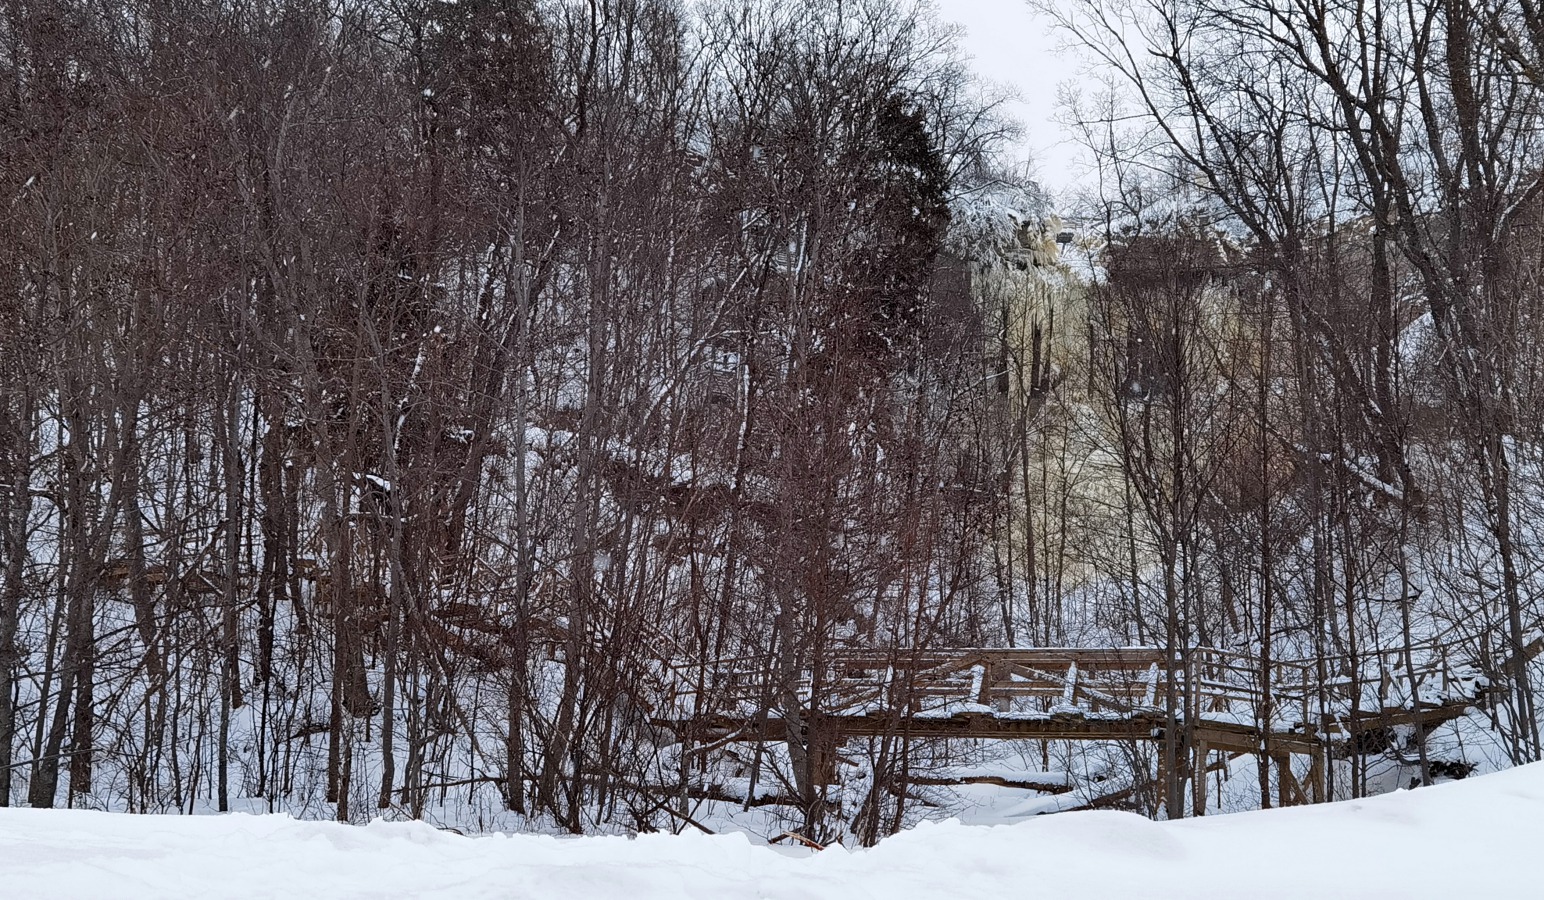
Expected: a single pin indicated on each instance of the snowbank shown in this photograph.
(1474, 838)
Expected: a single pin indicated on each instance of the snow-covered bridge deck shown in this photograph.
(1206, 699)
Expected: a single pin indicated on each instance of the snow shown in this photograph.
(1001, 772)
(1472, 838)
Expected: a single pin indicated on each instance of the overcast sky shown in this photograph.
(1013, 46)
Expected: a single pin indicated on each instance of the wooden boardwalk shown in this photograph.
(1211, 700)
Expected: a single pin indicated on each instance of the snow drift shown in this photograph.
(1473, 838)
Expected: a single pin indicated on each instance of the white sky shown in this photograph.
(1012, 46)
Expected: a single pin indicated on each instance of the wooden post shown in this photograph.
(996, 674)
(1289, 791)
(823, 756)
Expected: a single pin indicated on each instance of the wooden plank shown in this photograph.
(968, 725)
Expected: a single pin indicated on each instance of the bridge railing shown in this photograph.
(1211, 683)
(1438, 673)
(1064, 680)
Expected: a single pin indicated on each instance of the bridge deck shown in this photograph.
(1236, 702)
(1218, 701)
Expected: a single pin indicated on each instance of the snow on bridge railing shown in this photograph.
(1017, 681)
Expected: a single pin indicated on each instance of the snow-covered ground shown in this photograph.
(1474, 838)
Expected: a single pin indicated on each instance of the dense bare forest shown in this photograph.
(412, 407)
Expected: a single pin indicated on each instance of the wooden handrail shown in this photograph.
(1115, 679)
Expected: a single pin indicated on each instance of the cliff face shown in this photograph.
(1003, 225)
(1058, 479)
(1002, 251)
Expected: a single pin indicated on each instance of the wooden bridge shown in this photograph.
(1207, 700)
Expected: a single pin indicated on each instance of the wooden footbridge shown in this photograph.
(1202, 700)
